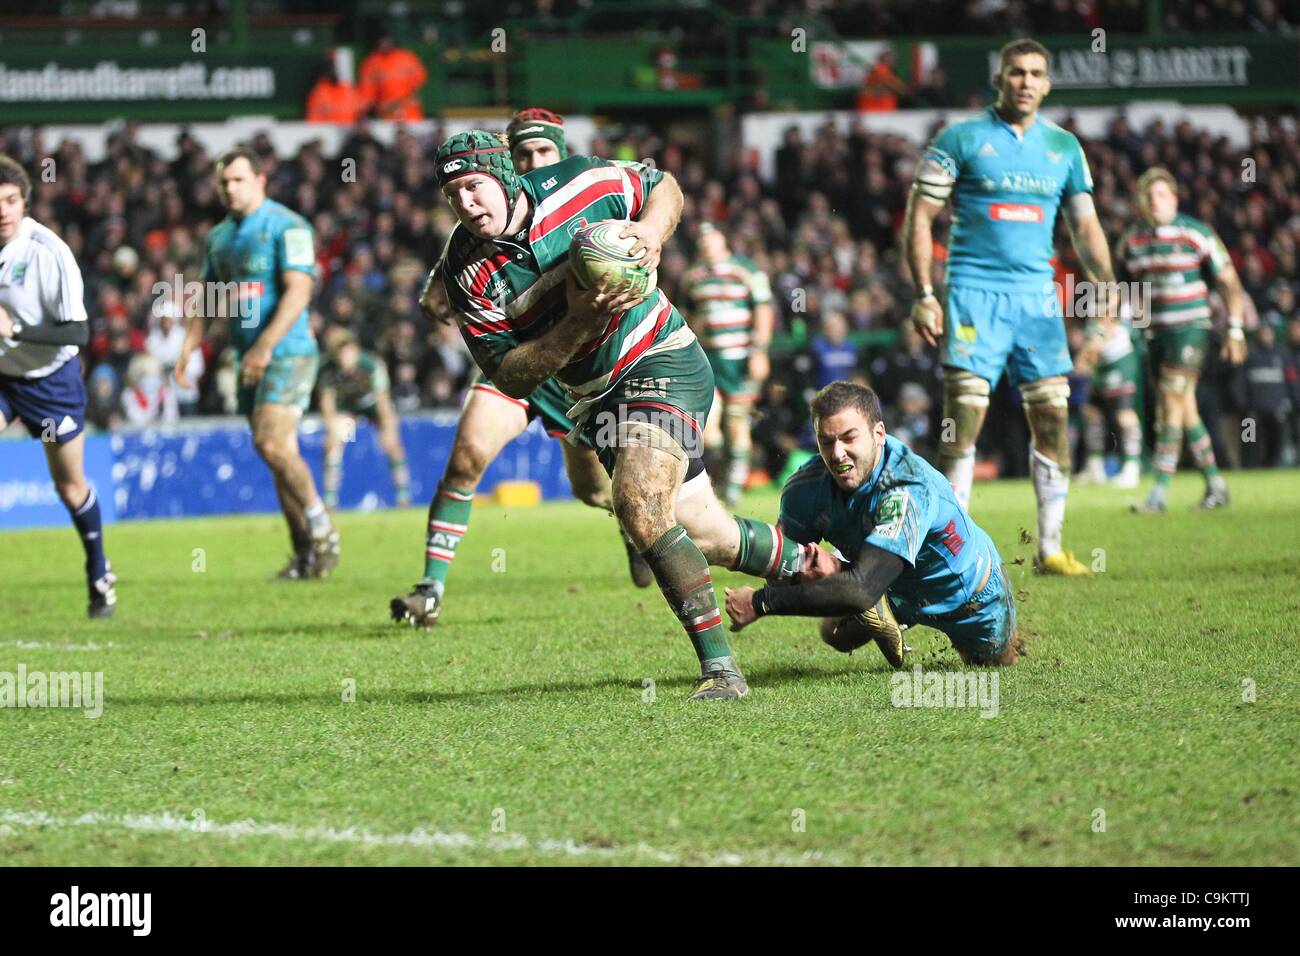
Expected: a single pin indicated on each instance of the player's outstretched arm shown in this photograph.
(850, 592)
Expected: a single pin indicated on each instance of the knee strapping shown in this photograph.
(966, 388)
(1055, 394)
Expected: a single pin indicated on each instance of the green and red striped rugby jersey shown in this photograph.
(510, 290)
(1176, 259)
(720, 300)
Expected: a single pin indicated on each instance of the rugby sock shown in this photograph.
(448, 522)
(333, 475)
(90, 526)
(959, 469)
(737, 473)
(401, 480)
(318, 519)
(1169, 440)
(1202, 449)
(1130, 443)
(683, 575)
(301, 538)
(1094, 438)
(765, 552)
(1051, 486)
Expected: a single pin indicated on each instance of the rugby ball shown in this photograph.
(597, 251)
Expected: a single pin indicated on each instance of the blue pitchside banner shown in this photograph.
(210, 468)
(27, 496)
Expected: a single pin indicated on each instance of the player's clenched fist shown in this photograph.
(818, 563)
(740, 607)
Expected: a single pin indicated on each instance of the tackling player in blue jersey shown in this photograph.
(913, 554)
(1007, 172)
(264, 255)
(42, 326)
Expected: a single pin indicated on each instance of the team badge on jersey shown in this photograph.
(298, 247)
(890, 513)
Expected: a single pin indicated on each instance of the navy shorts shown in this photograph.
(53, 408)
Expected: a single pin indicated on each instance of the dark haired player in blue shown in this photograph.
(1007, 173)
(264, 254)
(913, 554)
(42, 326)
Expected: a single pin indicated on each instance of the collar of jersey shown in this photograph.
(526, 232)
(999, 121)
(254, 214)
(25, 229)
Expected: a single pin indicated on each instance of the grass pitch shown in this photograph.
(524, 729)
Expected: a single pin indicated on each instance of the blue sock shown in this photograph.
(86, 518)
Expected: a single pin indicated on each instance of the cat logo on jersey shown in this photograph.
(550, 182)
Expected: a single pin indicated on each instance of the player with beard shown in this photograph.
(912, 554)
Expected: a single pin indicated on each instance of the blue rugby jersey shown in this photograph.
(906, 508)
(254, 251)
(1006, 193)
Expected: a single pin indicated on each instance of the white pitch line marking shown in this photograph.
(419, 838)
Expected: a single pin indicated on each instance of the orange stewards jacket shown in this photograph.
(330, 102)
(390, 83)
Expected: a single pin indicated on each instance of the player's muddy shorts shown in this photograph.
(1116, 381)
(549, 402)
(1022, 333)
(731, 377)
(662, 402)
(53, 408)
(1178, 346)
(288, 380)
(982, 628)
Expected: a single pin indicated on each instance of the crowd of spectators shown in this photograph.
(824, 227)
(894, 17)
